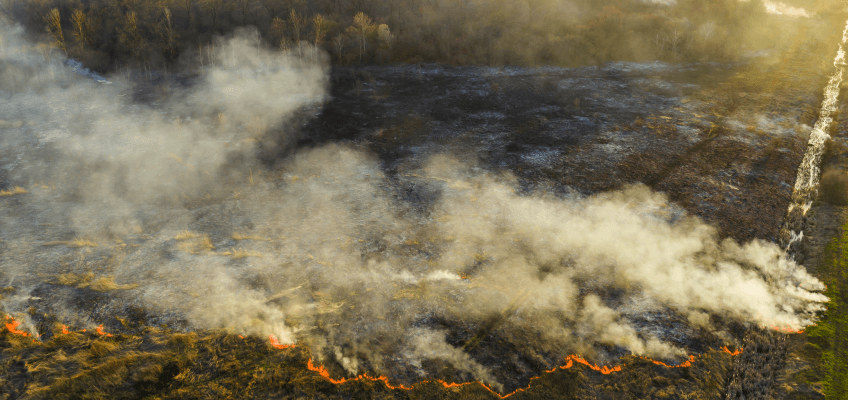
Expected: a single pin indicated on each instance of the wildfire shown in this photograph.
(326, 374)
(787, 330)
(687, 363)
(100, 331)
(570, 360)
(12, 326)
(784, 330)
(732, 353)
(276, 344)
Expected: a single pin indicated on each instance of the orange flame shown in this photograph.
(570, 363)
(100, 331)
(275, 343)
(12, 327)
(323, 372)
(787, 330)
(326, 374)
(687, 363)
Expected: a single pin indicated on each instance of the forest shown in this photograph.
(107, 35)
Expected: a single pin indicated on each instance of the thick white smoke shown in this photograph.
(168, 205)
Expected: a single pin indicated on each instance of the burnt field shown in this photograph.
(420, 223)
(722, 154)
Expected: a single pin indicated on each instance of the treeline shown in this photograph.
(106, 34)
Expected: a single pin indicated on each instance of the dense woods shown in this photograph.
(110, 34)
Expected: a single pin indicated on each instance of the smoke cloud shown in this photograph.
(168, 209)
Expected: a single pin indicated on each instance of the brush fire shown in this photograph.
(428, 270)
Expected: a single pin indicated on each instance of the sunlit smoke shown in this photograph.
(776, 7)
(168, 209)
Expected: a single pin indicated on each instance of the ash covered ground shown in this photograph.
(416, 222)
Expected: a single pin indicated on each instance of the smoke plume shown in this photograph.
(165, 207)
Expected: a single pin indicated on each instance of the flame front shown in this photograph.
(570, 360)
(275, 343)
(100, 331)
(12, 326)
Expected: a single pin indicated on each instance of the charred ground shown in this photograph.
(722, 140)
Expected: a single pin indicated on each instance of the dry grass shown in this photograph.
(237, 236)
(15, 190)
(237, 254)
(73, 244)
(166, 365)
(4, 124)
(180, 161)
(107, 283)
(87, 280)
(194, 243)
(185, 235)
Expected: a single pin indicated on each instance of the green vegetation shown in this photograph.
(829, 337)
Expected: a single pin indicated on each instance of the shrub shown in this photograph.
(834, 187)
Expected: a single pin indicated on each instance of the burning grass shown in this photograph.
(170, 365)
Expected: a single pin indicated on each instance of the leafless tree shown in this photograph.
(54, 27)
(188, 5)
(296, 22)
(165, 30)
(272, 7)
(131, 36)
(338, 45)
(81, 29)
(213, 7)
(362, 26)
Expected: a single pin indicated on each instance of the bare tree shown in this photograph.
(707, 30)
(54, 27)
(338, 45)
(319, 28)
(296, 22)
(188, 5)
(675, 41)
(385, 36)
(213, 7)
(81, 29)
(165, 30)
(272, 7)
(244, 7)
(278, 31)
(361, 28)
(131, 36)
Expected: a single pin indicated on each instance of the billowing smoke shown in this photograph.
(776, 7)
(166, 208)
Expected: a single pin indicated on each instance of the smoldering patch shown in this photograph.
(319, 249)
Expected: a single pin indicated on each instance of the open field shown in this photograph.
(416, 223)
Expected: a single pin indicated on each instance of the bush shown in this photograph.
(833, 148)
(834, 187)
